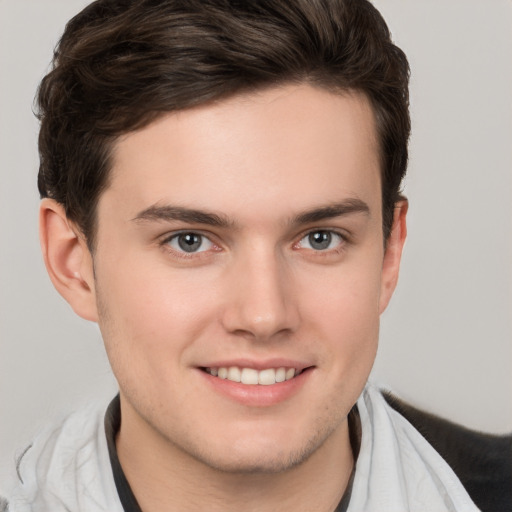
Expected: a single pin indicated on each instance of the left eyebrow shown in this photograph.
(346, 207)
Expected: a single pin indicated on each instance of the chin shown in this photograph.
(262, 455)
(255, 463)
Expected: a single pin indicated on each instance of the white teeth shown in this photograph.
(290, 373)
(267, 377)
(251, 376)
(280, 374)
(234, 374)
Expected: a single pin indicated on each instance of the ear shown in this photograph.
(393, 254)
(67, 258)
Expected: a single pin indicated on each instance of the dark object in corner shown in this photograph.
(483, 462)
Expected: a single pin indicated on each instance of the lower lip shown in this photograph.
(258, 395)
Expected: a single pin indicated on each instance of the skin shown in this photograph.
(256, 290)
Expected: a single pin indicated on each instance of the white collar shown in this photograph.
(397, 470)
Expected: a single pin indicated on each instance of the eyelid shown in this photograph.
(345, 239)
(183, 231)
(168, 237)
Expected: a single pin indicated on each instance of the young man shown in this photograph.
(221, 185)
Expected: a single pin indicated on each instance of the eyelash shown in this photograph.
(165, 243)
(343, 240)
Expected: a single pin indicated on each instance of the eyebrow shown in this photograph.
(190, 215)
(166, 213)
(346, 207)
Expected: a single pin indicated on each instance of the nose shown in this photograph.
(261, 303)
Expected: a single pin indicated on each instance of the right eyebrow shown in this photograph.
(168, 213)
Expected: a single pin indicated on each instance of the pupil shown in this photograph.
(189, 242)
(320, 240)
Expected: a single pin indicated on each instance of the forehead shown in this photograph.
(273, 151)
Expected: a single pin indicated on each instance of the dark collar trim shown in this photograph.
(112, 424)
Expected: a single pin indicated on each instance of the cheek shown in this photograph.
(347, 295)
(147, 312)
(345, 310)
(353, 340)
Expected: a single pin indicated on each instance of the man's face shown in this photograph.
(243, 237)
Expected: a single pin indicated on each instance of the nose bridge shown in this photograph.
(261, 300)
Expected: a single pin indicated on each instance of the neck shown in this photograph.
(163, 477)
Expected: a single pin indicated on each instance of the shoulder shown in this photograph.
(482, 462)
(66, 467)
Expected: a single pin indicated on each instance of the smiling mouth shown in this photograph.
(253, 377)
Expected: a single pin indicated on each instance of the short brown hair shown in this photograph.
(122, 63)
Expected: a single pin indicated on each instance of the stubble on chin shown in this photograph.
(329, 433)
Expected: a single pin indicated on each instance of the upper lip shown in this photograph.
(258, 365)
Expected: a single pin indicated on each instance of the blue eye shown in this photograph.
(190, 242)
(321, 240)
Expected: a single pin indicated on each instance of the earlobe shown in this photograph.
(393, 254)
(67, 259)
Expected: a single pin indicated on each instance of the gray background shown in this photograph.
(446, 338)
